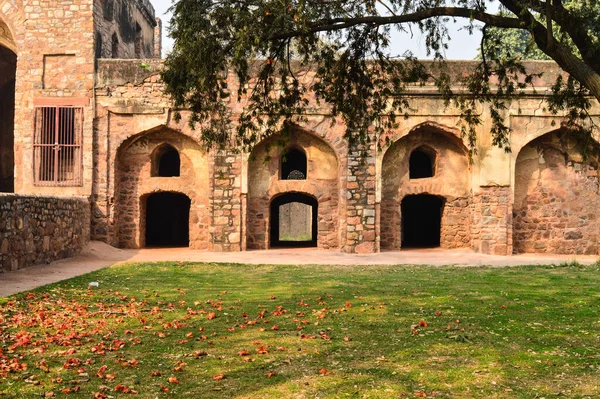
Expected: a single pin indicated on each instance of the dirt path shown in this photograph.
(98, 255)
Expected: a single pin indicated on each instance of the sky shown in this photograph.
(462, 47)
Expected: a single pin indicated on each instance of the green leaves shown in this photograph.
(248, 69)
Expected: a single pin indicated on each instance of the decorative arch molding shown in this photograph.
(434, 127)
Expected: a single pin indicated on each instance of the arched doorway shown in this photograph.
(421, 221)
(167, 220)
(294, 221)
(8, 67)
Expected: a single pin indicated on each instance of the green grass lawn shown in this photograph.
(171, 330)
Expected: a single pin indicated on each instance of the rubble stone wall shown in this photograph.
(556, 199)
(37, 230)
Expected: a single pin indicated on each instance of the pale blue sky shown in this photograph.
(462, 47)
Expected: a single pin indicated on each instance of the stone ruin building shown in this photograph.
(89, 149)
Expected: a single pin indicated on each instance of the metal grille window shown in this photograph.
(57, 146)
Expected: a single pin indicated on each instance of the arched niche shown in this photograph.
(8, 68)
(114, 48)
(265, 182)
(556, 197)
(294, 164)
(165, 161)
(133, 167)
(446, 157)
(422, 162)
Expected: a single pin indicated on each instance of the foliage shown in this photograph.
(222, 331)
(280, 55)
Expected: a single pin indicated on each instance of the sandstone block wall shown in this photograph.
(41, 229)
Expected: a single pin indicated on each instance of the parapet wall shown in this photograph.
(41, 229)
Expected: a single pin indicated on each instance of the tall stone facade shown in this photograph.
(151, 181)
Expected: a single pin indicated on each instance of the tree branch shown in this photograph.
(335, 24)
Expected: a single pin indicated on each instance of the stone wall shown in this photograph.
(41, 229)
(491, 220)
(54, 45)
(556, 199)
(360, 204)
(359, 191)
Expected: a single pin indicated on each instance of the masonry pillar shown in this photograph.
(226, 202)
(361, 212)
(491, 224)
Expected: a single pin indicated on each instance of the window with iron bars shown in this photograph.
(57, 149)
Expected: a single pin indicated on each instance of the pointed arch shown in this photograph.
(556, 196)
(268, 177)
(428, 160)
(136, 159)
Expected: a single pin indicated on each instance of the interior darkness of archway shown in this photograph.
(276, 238)
(8, 65)
(421, 221)
(293, 165)
(169, 163)
(420, 165)
(167, 220)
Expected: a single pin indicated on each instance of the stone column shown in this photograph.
(361, 207)
(226, 202)
(491, 225)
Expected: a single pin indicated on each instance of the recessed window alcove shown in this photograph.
(166, 162)
(422, 163)
(293, 165)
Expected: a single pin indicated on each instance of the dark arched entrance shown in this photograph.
(293, 221)
(421, 221)
(167, 220)
(8, 67)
